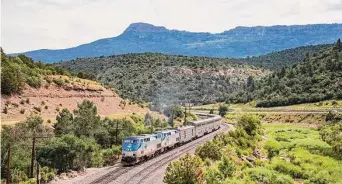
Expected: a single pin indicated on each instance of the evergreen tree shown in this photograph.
(86, 119)
(64, 124)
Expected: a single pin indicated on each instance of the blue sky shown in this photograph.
(36, 24)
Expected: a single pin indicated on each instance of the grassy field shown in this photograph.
(300, 153)
(311, 114)
(251, 106)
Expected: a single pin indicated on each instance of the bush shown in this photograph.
(46, 107)
(15, 105)
(58, 82)
(82, 153)
(27, 100)
(331, 133)
(223, 109)
(5, 111)
(209, 150)
(39, 109)
(12, 79)
(273, 147)
(111, 155)
(22, 111)
(226, 166)
(288, 168)
(34, 81)
(251, 124)
(185, 170)
(22, 101)
(266, 176)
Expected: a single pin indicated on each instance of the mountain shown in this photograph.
(237, 42)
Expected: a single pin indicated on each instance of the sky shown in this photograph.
(54, 24)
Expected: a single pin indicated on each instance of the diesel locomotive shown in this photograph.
(138, 148)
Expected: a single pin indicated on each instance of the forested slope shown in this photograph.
(318, 77)
(164, 79)
(161, 78)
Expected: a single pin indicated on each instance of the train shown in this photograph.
(136, 149)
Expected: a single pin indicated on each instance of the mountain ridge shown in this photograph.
(237, 42)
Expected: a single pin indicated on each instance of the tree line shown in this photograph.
(317, 77)
(77, 140)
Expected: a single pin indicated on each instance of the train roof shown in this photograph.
(212, 117)
(166, 131)
(184, 127)
(142, 136)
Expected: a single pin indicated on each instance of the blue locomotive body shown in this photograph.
(138, 148)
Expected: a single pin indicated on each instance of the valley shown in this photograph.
(281, 118)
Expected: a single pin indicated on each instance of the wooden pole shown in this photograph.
(38, 181)
(185, 115)
(33, 156)
(116, 131)
(8, 164)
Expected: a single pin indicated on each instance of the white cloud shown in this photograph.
(36, 24)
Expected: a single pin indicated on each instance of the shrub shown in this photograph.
(57, 109)
(82, 153)
(266, 176)
(34, 81)
(47, 174)
(15, 105)
(273, 147)
(209, 150)
(223, 109)
(111, 155)
(7, 103)
(48, 80)
(39, 109)
(226, 166)
(58, 82)
(284, 167)
(251, 124)
(46, 107)
(185, 170)
(27, 100)
(22, 101)
(22, 111)
(42, 103)
(211, 111)
(5, 111)
(48, 121)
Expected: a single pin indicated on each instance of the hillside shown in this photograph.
(318, 77)
(28, 87)
(237, 42)
(277, 60)
(167, 79)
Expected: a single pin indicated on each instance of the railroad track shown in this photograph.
(149, 170)
(112, 175)
(146, 171)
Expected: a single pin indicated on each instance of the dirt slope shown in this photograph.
(51, 98)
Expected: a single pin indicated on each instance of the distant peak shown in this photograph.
(144, 27)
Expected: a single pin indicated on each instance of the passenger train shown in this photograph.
(138, 148)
